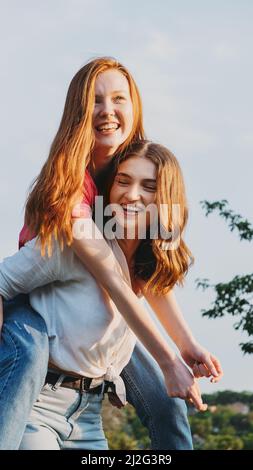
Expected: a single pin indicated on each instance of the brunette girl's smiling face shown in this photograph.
(113, 111)
(134, 188)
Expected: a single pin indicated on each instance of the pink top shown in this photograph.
(80, 210)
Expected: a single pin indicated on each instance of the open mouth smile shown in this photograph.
(131, 210)
(108, 128)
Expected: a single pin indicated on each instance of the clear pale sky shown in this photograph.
(193, 63)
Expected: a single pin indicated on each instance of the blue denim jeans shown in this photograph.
(23, 365)
(164, 417)
(65, 419)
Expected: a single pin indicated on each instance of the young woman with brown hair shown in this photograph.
(88, 338)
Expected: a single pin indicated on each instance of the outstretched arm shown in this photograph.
(99, 259)
(167, 310)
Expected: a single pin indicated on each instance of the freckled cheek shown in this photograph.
(128, 119)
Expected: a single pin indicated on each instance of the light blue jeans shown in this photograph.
(23, 366)
(65, 419)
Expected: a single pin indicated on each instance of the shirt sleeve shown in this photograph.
(27, 269)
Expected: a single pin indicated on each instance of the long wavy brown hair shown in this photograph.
(160, 268)
(60, 184)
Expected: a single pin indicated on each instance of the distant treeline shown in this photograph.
(228, 397)
(226, 425)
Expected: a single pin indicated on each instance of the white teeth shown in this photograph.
(108, 126)
(129, 208)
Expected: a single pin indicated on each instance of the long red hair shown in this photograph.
(60, 183)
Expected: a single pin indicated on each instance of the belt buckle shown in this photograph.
(85, 384)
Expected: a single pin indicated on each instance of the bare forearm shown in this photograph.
(198, 358)
(170, 316)
(99, 259)
(140, 321)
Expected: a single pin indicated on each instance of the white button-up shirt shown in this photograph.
(87, 334)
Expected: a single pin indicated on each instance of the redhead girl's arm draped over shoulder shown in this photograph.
(97, 256)
(99, 259)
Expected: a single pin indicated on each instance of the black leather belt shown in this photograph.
(77, 383)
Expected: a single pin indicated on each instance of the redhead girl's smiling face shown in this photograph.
(113, 111)
(134, 188)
